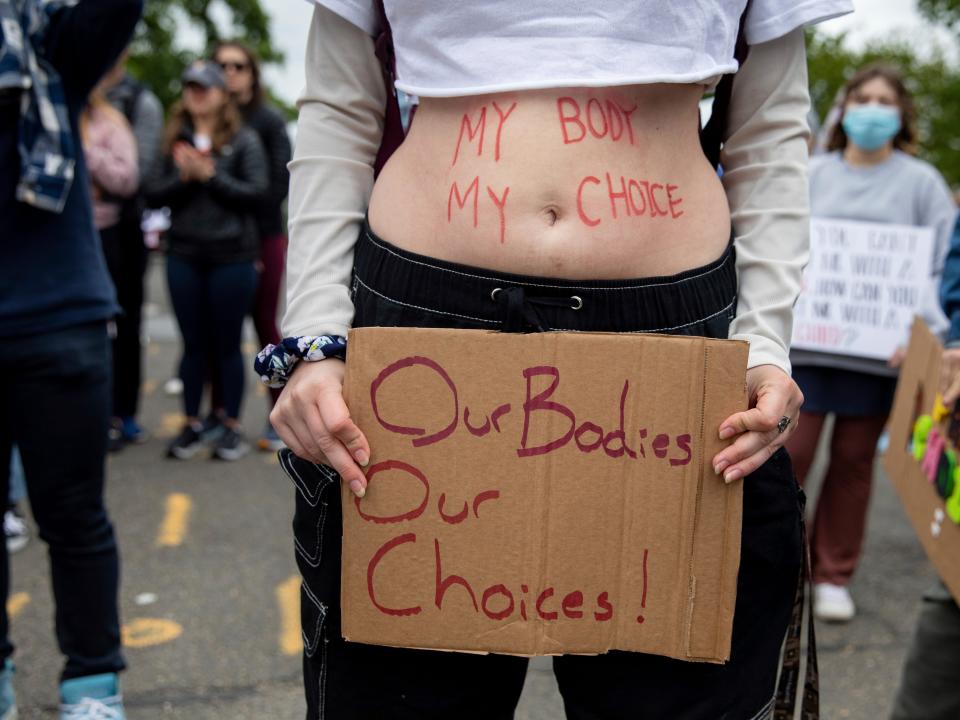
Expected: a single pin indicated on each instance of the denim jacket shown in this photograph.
(950, 287)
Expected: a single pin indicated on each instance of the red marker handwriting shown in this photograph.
(628, 197)
(542, 410)
(476, 130)
(606, 119)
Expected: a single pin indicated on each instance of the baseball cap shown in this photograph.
(204, 73)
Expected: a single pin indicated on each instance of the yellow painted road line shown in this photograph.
(16, 603)
(288, 598)
(149, 387)
(144, 632)
(170, 425)
(174, 526)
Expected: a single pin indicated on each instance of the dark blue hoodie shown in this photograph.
(52, 271)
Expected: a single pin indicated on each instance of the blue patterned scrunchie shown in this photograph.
(275, 363)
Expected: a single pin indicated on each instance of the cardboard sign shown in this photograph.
(862, 286)
(542, 494)
(916, 391)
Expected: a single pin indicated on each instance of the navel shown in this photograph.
(550, 215)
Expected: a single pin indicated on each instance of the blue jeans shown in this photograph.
(55, 406)
(210, 301)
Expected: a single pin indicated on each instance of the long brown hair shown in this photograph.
(906, 139)
(98, 103)
(253, 61)
(227, 126)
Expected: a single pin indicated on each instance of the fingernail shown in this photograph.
(727, 432)
(356, 487)
(362, 457)
(732, 474)
(720, 466)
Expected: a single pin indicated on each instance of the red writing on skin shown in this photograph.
(473, 190)
(477, 130)
(584, 218)
(503, 119)
(467, 127)
(630, 197)
(500, 202)
(462, 199)
(599, 119)
(540, 411)
(498, 601)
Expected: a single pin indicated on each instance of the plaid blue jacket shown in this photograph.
(47, 152)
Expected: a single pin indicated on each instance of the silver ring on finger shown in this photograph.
(783, 424)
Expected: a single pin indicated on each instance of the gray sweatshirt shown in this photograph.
(902, 191)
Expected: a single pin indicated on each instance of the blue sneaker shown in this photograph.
(8, 702)
(94, 697)
(132, 431)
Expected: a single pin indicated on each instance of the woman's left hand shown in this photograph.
(773, 395)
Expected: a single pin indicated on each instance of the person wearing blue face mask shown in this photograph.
(869, 174)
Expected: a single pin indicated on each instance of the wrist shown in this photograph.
(276, 363)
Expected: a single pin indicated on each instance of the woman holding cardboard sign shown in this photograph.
(870, 175)
(552, 179)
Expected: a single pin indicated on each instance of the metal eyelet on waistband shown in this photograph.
(493, 293)
(577, 302)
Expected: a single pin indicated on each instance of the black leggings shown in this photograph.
(127, 261)
(348, 680)
(210, 301)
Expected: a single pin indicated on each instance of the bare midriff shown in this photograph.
(578, 183)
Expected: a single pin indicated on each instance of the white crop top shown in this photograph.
(447, 48)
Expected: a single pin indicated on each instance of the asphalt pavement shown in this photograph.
(209, 589)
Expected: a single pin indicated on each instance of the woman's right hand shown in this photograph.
(313, 420)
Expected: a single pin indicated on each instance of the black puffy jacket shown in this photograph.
(215, 220)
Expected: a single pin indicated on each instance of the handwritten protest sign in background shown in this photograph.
(862, 287)
(542, 494)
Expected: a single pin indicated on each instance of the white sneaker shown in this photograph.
(16, 531)
(832, 603)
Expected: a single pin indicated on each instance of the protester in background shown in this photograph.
(127, 255)
(55, 303)
(928, 687)
(869, 174)
(111, 153)
(213, 175)
(548, 262)
(242, 71)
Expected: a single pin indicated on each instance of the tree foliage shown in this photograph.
(158, 54)
(932, 78)
(943, 12)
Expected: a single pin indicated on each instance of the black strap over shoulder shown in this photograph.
(392, 121)
(711, 137)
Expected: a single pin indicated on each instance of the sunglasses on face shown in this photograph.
(235, 66)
